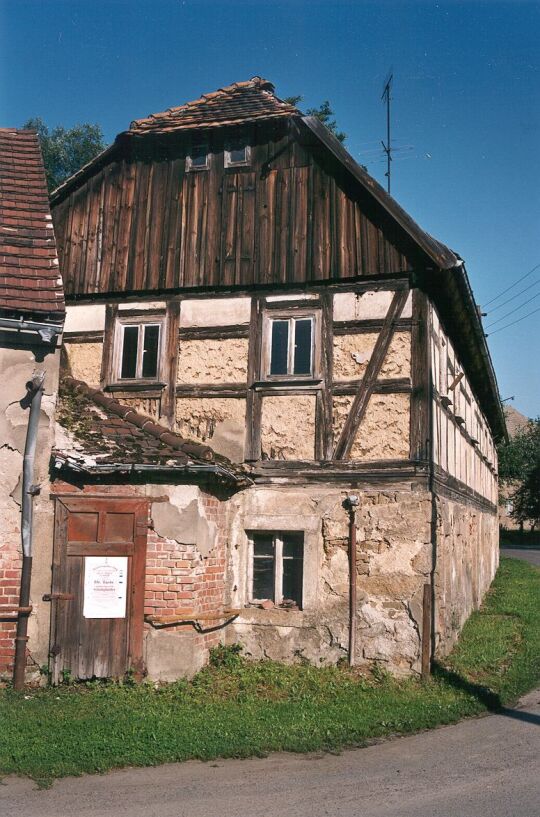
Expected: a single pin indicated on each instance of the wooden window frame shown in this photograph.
(277, 538)
(139, 321)
(266, 357)
(227, 162)
(190, 167)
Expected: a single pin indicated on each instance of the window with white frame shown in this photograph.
(276, 567)
(198, 157)
(237, 152)
(289, 348)
(138, 347)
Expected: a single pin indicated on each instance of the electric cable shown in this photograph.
(513, 298)
(525, 303)
(496, 298)
(513, 322)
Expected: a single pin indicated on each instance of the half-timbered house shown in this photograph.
(257, 334)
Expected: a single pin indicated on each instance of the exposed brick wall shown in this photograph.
(10, 580)
(181, 582)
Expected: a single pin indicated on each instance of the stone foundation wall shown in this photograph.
(394, 555)
(467, 560)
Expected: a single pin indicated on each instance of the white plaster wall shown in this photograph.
(85, 318)
(372, 305)
(214, 311)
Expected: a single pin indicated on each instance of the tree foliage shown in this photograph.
(519, 468)
(324, 113)
(526, 500)
(66, 150)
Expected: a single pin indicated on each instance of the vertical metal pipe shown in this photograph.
(352, 585)
(426, 633)
(28, 491)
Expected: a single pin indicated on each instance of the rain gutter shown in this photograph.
(48, 332)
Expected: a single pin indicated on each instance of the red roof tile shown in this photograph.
(107, 435)
(236, 103)
(30, 281)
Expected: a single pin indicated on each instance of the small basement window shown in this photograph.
(197, 158)
(290, 347)
(277, 567)
(237, 153)
(138, 351)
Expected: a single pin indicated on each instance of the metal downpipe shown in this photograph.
(35, 393)
(351, 504)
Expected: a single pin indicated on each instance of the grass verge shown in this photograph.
(240, 709)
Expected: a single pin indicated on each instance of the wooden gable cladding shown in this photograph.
(143, 223)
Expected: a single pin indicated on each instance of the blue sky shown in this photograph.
(466, 107)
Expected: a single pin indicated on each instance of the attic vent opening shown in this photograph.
(197, 158)
(237, 152)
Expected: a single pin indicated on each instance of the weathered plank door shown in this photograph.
(98, 587)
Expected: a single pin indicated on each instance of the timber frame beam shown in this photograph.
(367, 384)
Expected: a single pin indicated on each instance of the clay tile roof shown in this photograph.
(30, 280)
(234, 104)
(102, 434)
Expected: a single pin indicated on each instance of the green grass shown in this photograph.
(240, 709)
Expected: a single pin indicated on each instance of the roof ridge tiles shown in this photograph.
(207, 112)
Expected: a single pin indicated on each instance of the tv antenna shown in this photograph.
(386, 97)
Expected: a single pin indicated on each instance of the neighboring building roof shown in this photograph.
(104, 436)
(515, 420)
(232, 105)
(30, 282)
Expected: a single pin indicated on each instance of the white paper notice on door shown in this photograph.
(105, 581)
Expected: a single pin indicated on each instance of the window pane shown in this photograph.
(150, 351)
(263, 566)
(199, 155)
(293, 545)
(302, 346)
(237, 155)
(263, 544)
(280, 343)
(129, 351)
(293, 559)
(263, 578)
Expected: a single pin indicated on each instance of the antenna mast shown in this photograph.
(388, 146)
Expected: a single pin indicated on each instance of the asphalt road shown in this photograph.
(487, 767)
(531, 555)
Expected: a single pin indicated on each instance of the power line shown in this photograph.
(514, 322)
(525, 303)
(496, 298)
(513, 298)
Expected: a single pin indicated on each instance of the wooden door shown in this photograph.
(98, 587)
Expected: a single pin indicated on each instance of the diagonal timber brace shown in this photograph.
(365, 389)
